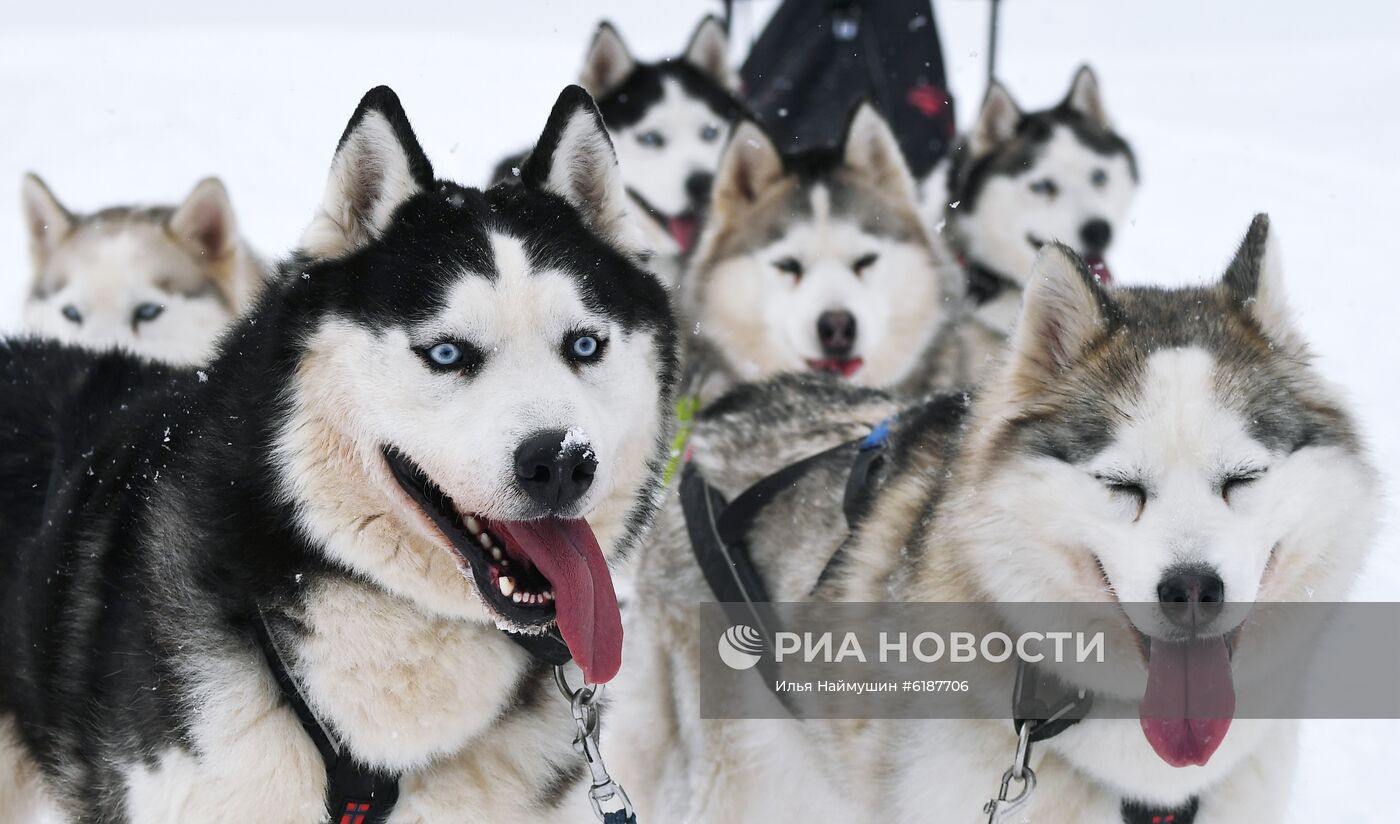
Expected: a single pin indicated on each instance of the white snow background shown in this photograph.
(1285, 106)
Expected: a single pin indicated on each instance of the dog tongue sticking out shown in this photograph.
(682, 230)
(566, 553)
(1190, 699)
(1099, 269)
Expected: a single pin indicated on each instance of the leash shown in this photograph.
(604, 791)
(1042, 707)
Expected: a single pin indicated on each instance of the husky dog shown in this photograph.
(683, 768)
(815, 261)
(437, 428)
(668, 121)
(160, 281)
(1022, 179)
(1139, 445)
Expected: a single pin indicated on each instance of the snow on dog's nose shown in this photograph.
(554, 469)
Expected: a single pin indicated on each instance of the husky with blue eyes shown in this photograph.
(389, 503)
(161, 281)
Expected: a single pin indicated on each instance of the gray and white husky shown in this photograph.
(815, 261)
(1137, 445)
(1140, 445)
(160, 281)
(440, 426)
(1020, 180)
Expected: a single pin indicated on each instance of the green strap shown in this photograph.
(686, 407)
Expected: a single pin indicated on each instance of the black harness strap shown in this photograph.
(985, 285)
(355, 794)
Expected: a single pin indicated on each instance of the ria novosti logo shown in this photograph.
(741, 647)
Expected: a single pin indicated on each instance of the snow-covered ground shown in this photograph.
(1234, 107)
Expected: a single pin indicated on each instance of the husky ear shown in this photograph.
(1064, 309)
(1084, 97)
(1254, 282)
(709, 52)
(608, 62)
(996, 122)
(750, 164)
(873, 153)
(205, 220)
(46, 219)
(377, 166)
(574, 159)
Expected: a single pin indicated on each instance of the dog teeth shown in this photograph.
(549, 595)
(506, 584)
(496, 552)
(485, 540)
(519, 598)
(473, 525)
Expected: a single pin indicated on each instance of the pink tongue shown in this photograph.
(1099, 269)
(585, 604)
(1190, 699)
(683, 230)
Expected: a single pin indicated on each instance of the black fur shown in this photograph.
(145, 526)
(967, 175)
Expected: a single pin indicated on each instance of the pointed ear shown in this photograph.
(996, 122)
(45, 218)
(1064, 310)
(205, 220)
(574, 159)
(377, 166)
(873, 153)
(1084, 97)
(749, 166)
(608, 62)
(708, 51)
(1254, 282)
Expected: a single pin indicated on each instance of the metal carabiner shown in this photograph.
(1020, 770)
(603, 789)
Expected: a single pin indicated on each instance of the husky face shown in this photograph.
(1172, 450)
(162, 282)
(481, 384)
(817, 261)
(668, 122)
(1026, 179)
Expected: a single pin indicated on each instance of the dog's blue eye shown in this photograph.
(71, 313)
(148, 312)
(1045, 187)
(651, 139)
(710, 133)
(445, 354)
(1099, 178)
(584, 346)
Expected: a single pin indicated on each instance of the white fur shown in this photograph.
(659, 174)
(370, 178)
(193, 266)
(765, 320)
(1008, 217)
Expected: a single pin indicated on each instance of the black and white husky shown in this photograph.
(1021, 180)
(431, 436)
(668, 121)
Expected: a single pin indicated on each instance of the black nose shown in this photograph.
(697, 186)
(1096, 234)
(836, 331)
(1191, 596)
(555, 474)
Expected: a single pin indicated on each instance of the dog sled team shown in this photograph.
(326, 540)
